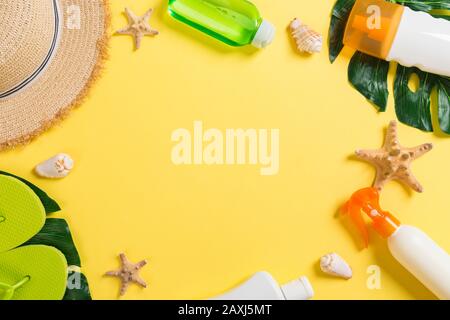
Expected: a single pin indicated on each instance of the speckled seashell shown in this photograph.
(306, 39)
(56, 167)
(334, 265)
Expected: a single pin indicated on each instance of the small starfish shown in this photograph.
(393, 162)
(128, 273)
(138, 27)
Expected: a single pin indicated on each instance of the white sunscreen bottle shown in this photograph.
(428, 262)
(393, 32)
(415, 250)
(262, 286)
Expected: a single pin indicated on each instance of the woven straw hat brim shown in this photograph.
(65, 82)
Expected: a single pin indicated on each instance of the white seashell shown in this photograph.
(56, 167)
(334, 265)
(307, 40)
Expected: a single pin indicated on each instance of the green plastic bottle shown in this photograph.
(235, 22)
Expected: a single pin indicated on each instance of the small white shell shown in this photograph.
(56, 167)
(334, 265)
(306, 39)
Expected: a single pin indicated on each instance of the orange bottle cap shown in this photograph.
(367, 201)
(372, 26)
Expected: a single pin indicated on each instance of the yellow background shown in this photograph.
(206, 228)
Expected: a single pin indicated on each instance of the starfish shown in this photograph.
(128, 273)
(138, 27)
(393, 162)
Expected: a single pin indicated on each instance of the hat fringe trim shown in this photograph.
(103, 56)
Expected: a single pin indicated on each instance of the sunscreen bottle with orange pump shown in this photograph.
(393, 32)
(415, 250)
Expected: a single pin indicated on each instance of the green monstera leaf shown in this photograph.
(55, 233)
(339, 17)
(413, 108)
(369, 75)
(444, 103)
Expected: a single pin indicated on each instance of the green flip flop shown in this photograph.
(35, 272)
(22, 214)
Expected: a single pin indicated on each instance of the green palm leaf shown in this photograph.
(413, 108)
(339, 17)
(425, 5)
(444, 104)
(369, 76)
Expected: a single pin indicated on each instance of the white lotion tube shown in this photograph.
(421, 256)
(262, 286)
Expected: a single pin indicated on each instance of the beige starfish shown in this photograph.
(138, 27)
(128, 273)
(393, 162)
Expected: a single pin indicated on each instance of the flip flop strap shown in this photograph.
(10, 289)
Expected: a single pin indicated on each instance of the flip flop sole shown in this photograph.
(45, 266)
(22, 214)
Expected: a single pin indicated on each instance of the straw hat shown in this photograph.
(51, 51)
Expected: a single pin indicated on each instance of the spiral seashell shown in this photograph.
(334, 265)
(56, 167)
(306, 39)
